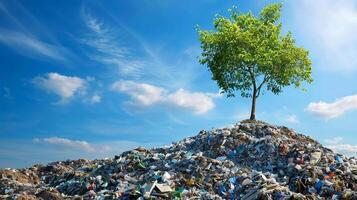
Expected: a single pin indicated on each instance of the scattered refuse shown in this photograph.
(251, 160)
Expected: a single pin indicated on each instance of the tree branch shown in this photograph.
(262, 83)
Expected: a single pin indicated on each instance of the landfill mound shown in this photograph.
(251, 160)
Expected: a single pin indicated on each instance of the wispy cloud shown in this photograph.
(67, 143)
(30, 46)
(95, 99)
(85, 146)
(339, 146)
(64, 86)
(333, 141)
(334, 109)
(135, 58)
(28, 36)
(144, 94)
(108, 50)
(6, 93)
(330, 26)
(292, 119)
(241, 115)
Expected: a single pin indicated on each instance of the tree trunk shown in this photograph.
(254, 98)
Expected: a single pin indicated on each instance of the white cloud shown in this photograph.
(337, 145)
(334, 109)
(144, 94)
(292, 119)
(215, 95)
(95, 99)
(330, 26)
(63, 86)
(147, 95)
(347, 149)
(67, 143)
(198, 102)
(29, 45)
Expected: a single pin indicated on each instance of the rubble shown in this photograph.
(251, 160)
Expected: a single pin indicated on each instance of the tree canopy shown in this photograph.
(249, 54)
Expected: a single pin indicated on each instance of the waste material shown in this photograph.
(251, 160)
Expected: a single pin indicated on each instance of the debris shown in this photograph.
(315, 157)
(221, 158)
(298, 167)
(246, 182)
(339, 159)
(251, 160)
(163, 188)
(147, 188)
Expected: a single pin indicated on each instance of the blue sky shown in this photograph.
(90, 79)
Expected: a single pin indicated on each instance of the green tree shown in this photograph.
(249, 53)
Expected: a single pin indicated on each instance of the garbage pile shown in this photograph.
(251, 160)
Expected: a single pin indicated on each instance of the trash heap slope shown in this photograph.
(251, 160)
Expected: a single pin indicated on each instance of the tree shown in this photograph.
(249, 53)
